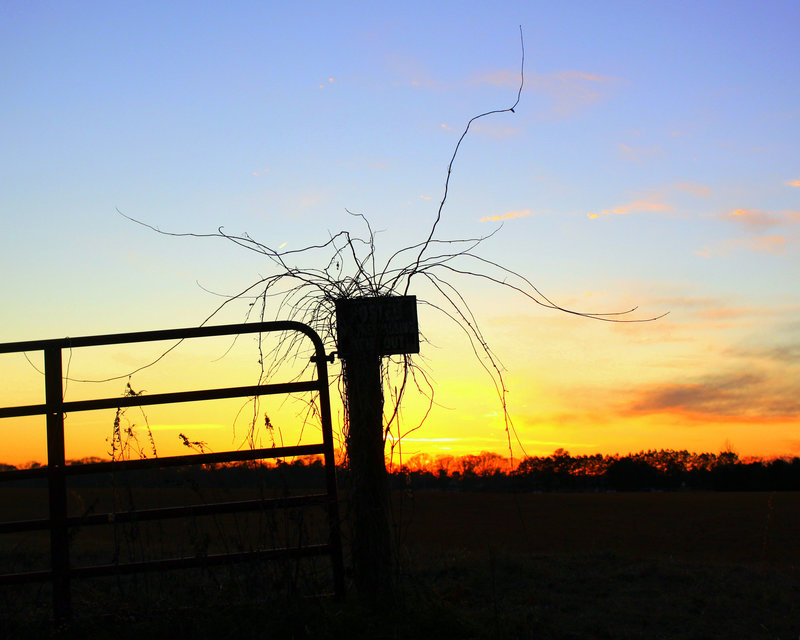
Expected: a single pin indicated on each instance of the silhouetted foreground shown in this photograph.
(477, 560)
(481, 565)
(662, 470)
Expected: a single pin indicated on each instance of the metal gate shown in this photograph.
(56, 471)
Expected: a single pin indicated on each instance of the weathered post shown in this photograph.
(369, 328)
(57, 488)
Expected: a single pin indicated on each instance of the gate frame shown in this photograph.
(56, 471)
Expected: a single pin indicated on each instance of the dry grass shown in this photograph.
(671, 565)
(692, 527)
(655, 565)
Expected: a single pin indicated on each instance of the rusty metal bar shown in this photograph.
(164, 398)
(163, 513)
(26, 577)
(23, 474)
(193, 459)
(337, 557)
(56, 470)
(117, 466)
(196, 510)
(172, 563)
(162, 334)
(201, 561)
(16, 526)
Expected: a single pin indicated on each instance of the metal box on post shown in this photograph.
(383, 326)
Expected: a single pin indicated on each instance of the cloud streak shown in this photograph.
(746, 396)
(773, 244)
(638, 154)
(572, 91)
(409, 71)
(656, 201)
(695, 189)
(569, 91)
(652, 204)
(507, 216)
(782, 355)
(767, 244)
(758, 219)
(753, 218)
(496, 131)
(498, 78)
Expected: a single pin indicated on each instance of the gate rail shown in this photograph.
(56, 471)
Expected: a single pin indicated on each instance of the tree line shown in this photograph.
(652, 470)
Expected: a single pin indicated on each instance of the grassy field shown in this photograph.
(705, 527)
(475, 565)
(638, 565)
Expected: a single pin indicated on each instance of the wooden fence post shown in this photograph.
(372, 549)
(367, 329)
(57, 488)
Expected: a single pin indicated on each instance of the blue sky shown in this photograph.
(653, 161)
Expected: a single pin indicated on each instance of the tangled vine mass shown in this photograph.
(304, 284)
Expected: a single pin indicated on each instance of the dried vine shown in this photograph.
(347, 267)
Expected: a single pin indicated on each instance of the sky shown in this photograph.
(652, 162)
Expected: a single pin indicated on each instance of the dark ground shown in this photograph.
(481, 565)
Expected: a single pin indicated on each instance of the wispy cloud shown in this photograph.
(752, 218)
(717, 249)
(793, 183)
(723, 312)
(572, 91)
(409, 71)
(721, 394)
(695, 189)
(755, 221)
(758, 219)
(742, 395)
(497, 78)
(657, 201)
(652, 204)
(782, 354)
(638, 154)
(497, 131)
(765, 244)
(569, 91)
(709, 308)
(310, 200)
(694, 306)
(507, 216)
